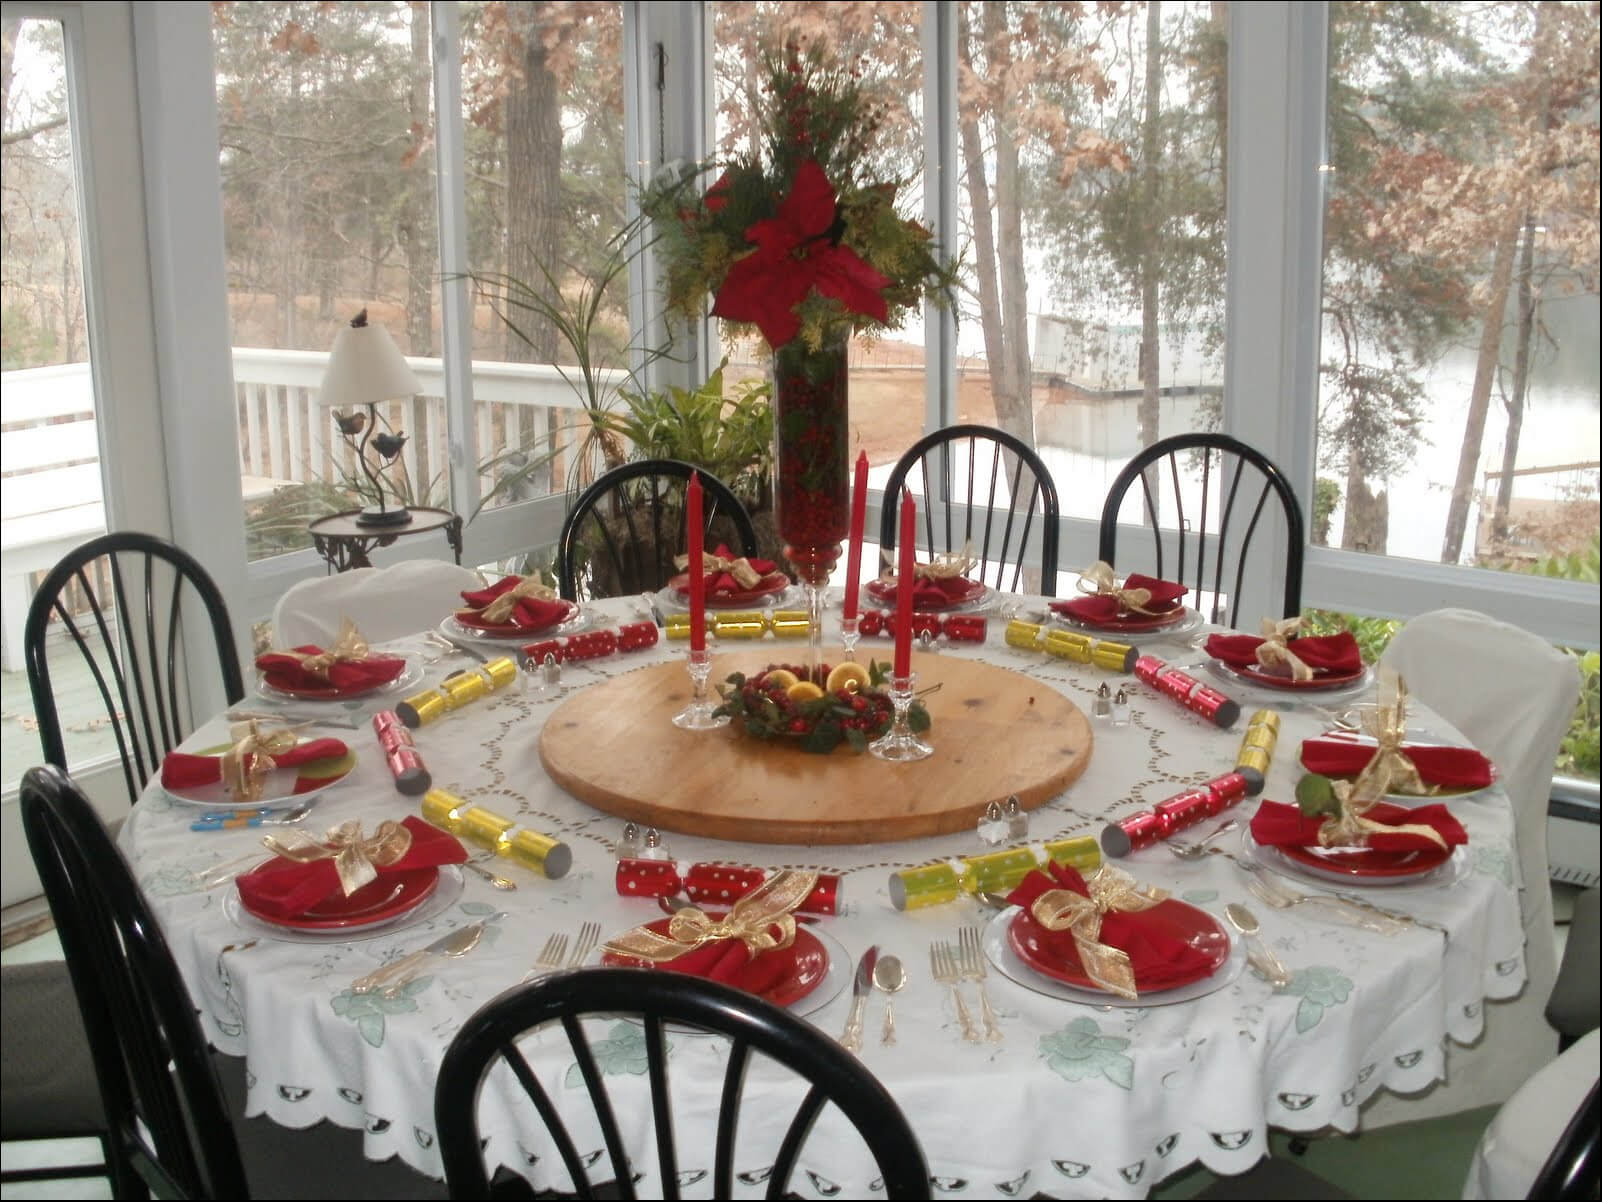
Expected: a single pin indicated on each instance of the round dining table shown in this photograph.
(1076, 1098)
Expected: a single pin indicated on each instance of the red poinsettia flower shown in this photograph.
(795, 254)
(717, 196)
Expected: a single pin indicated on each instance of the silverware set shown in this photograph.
(954, 965)
(554, 956)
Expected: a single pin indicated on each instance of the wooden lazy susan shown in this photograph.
(996, 732)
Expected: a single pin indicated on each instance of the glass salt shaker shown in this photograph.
(1103, 704)
(993, 825)
(1017, 819)
(628, 847)
(1120, 709)
(655, 849)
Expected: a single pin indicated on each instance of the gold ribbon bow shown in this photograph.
(357, 858)
(1098, 581)
(1110, 889)
(761, 920)
(246, 764)
(744, 574)
(1273, 653)
(1388, 770)
(527, 588)
(942, 565)
(349, 647)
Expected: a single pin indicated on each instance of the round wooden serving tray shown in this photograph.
(996, 732)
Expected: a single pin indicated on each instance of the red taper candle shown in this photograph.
(697, 581)
(859, 518)
(905, 573)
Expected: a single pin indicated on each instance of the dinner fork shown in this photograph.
(589, 935)
(943, 967)
(549, 960)
(1282, 898)
(973, 969)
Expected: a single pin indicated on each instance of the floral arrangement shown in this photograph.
(850, 704)
(793, 240)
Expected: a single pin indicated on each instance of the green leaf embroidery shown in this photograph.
(1495, 861)
(1199, 897)
(1080, 1051)
(1319, 987)
(621, 1053)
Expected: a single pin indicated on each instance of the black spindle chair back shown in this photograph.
(169, 1132)
(1214, 538)
(983, 490)
(490, 1038)
(120, 599)
(624, 530)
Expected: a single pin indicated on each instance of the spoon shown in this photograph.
(500, 882)
(996, 901)
(888, 977)
(1193, 851)
(459, 943)
(1257, 953)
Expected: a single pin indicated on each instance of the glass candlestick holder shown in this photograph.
(698, 715)
(848, 637)
(900, 744)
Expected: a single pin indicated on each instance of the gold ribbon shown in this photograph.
(1110, 889)
(246, 764)
(349, 647)
(1102, 583)
(753, 921)
(1273, 652)
(357, 858)
(744, 574)
(1388, 770)
(942, 565)
(527, 588)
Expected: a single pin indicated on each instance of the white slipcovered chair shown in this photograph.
(385, 603)
(1512, 695)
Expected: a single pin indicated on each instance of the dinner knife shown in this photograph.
(465, 648)
(382, 976)
(851, 1037)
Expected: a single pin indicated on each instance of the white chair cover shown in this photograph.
(385, 603)
(1525, 1132)
(1513, 695)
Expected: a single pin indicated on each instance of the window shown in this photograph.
(1458, 379)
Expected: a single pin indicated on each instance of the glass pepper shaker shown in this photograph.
(993, 825)
(1120, 709)
(1017, 819)
(628, 847)
(1103, 704)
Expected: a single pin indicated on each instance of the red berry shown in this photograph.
(798, 726)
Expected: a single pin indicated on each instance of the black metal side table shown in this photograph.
(345, 544)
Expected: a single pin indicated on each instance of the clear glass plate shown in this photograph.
(441, 900)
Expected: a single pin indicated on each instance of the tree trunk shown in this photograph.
(1468, 460)
(1150, 366)
(1521, 382)
(1018, 417)
(1367, 523)
(416, 235)
(1002, 391)
(1220, 22)
(533, 182)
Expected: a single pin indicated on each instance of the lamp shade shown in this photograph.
(366, 367)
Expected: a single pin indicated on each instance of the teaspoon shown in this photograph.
(888, 977)
(1257, 953)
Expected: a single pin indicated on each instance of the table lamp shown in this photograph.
(364, 368)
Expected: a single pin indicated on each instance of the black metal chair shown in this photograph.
(1213, 527)
(168, 1130)
(1012, 494)
(490, 1038)
(134, 642)
(622, 533)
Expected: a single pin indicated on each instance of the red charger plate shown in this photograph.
(808, 964)
(770, 585)
(884, 592)
(328, 692)
(1171, 916)
(1321, 680)
(1369, 861)
(1131, 621)
(511, 630)
(389, 896)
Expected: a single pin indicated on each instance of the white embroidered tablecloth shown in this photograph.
(1077, 1101)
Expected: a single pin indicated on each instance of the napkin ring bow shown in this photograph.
(1387, 770)
(357, 858)
(744, 574)
(1274, 650)
(761, 920)
(1098, 580)
(942, 565)
(349, 647)
(1065, 910)
(246, 764)
(527, 588)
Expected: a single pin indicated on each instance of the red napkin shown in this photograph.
(723, 584)
(347, 676)
(1324, 653)
(1165, 597)
(729, 961)
(283, 888)
(933, 594)
(531, 613)
(1453, 767)
(183, 771)
(1157, 958)
(1278, 825)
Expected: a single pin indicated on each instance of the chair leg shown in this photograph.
(1298, 1146)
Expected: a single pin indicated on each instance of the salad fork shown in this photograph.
(589, 935)
(549, 960)
(943, 967)
(1282, 898)
(973, 969)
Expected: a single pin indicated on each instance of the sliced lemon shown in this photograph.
(848, 675)
(803, 690)
(781, 676)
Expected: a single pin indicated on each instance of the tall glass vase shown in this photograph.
(812, 479)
